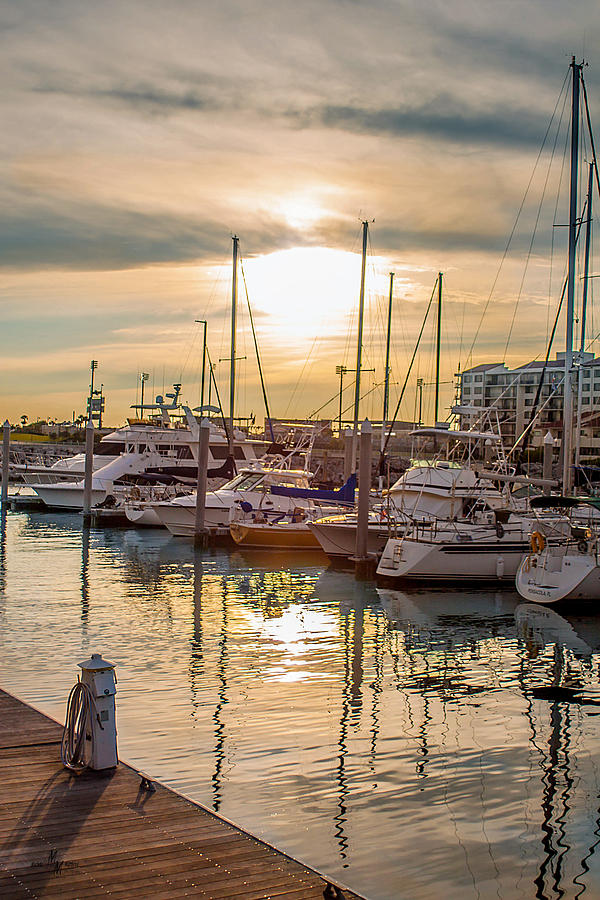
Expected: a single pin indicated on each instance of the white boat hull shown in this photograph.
(142, 515)
(180, 519)
(338, 540)
(553, 575)
(70, 496)
(490, 561)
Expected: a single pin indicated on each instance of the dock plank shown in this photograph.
(95, 835)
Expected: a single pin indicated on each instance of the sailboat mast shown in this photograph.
(438, 350)
(586, 274)
(386, 385)
(234, 291)
(361, 315)
(568, 385)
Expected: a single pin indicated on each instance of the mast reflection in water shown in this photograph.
(417, 745)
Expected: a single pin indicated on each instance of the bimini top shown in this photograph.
(449, 434)
(343, 495)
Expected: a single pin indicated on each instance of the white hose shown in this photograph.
(75, 752)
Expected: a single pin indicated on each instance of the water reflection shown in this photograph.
(348, 725)
(85, 582)
(3, 540)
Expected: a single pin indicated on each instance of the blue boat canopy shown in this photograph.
(344, 495)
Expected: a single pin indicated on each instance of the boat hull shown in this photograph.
(180, 520)
(143, 516)
(450, 562)
(552, 577)
(338, 540)
(289, 536)
(59, 496)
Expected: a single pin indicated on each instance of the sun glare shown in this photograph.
(305, 289)
(300, 211)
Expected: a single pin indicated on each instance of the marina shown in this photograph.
(332, 718)
(266, 633)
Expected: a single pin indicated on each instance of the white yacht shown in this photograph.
(264, 488)
(65, 469)
(153, 450)
(442, 489)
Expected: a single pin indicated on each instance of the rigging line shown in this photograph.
(590, 131)
(400, 398)
(260, 371)
(506, 249)
(331, 399)
(558, 193)
(214, 380)
(534, 409)
(301, 376)
(362, 396)
(533, 236)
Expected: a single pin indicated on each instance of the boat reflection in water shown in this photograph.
(345, 724)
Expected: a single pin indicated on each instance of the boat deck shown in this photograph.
(99, 834)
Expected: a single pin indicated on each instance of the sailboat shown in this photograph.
(570, 569)
(425, 490)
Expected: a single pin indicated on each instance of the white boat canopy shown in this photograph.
(448, 434)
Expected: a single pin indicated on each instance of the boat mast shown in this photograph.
(568, 385)
(236, 241)
(361, 315)
(586, 273)
(438, 350)
(386, 385)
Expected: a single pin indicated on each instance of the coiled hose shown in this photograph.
(81, 706)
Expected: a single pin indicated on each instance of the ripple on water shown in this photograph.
(398, 740)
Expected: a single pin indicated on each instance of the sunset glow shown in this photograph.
(123, 184)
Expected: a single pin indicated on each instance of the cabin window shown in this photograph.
(109, 448)
(221, 451)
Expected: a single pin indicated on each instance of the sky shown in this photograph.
(139, 137)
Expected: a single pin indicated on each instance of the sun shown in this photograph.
(304, 289)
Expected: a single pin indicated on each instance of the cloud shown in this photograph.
(442, 119)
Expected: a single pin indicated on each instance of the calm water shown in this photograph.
(414, 746)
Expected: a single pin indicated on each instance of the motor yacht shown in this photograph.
(154, 450)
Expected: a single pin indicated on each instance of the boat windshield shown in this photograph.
(245, 481)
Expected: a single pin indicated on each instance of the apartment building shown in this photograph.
(512, 392)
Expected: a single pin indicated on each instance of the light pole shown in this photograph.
(93, 367)
(420, 390)
(143, 379)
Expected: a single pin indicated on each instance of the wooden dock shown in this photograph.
(93, 835)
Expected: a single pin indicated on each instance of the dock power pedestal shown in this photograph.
(90, 733)
(99, 675)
